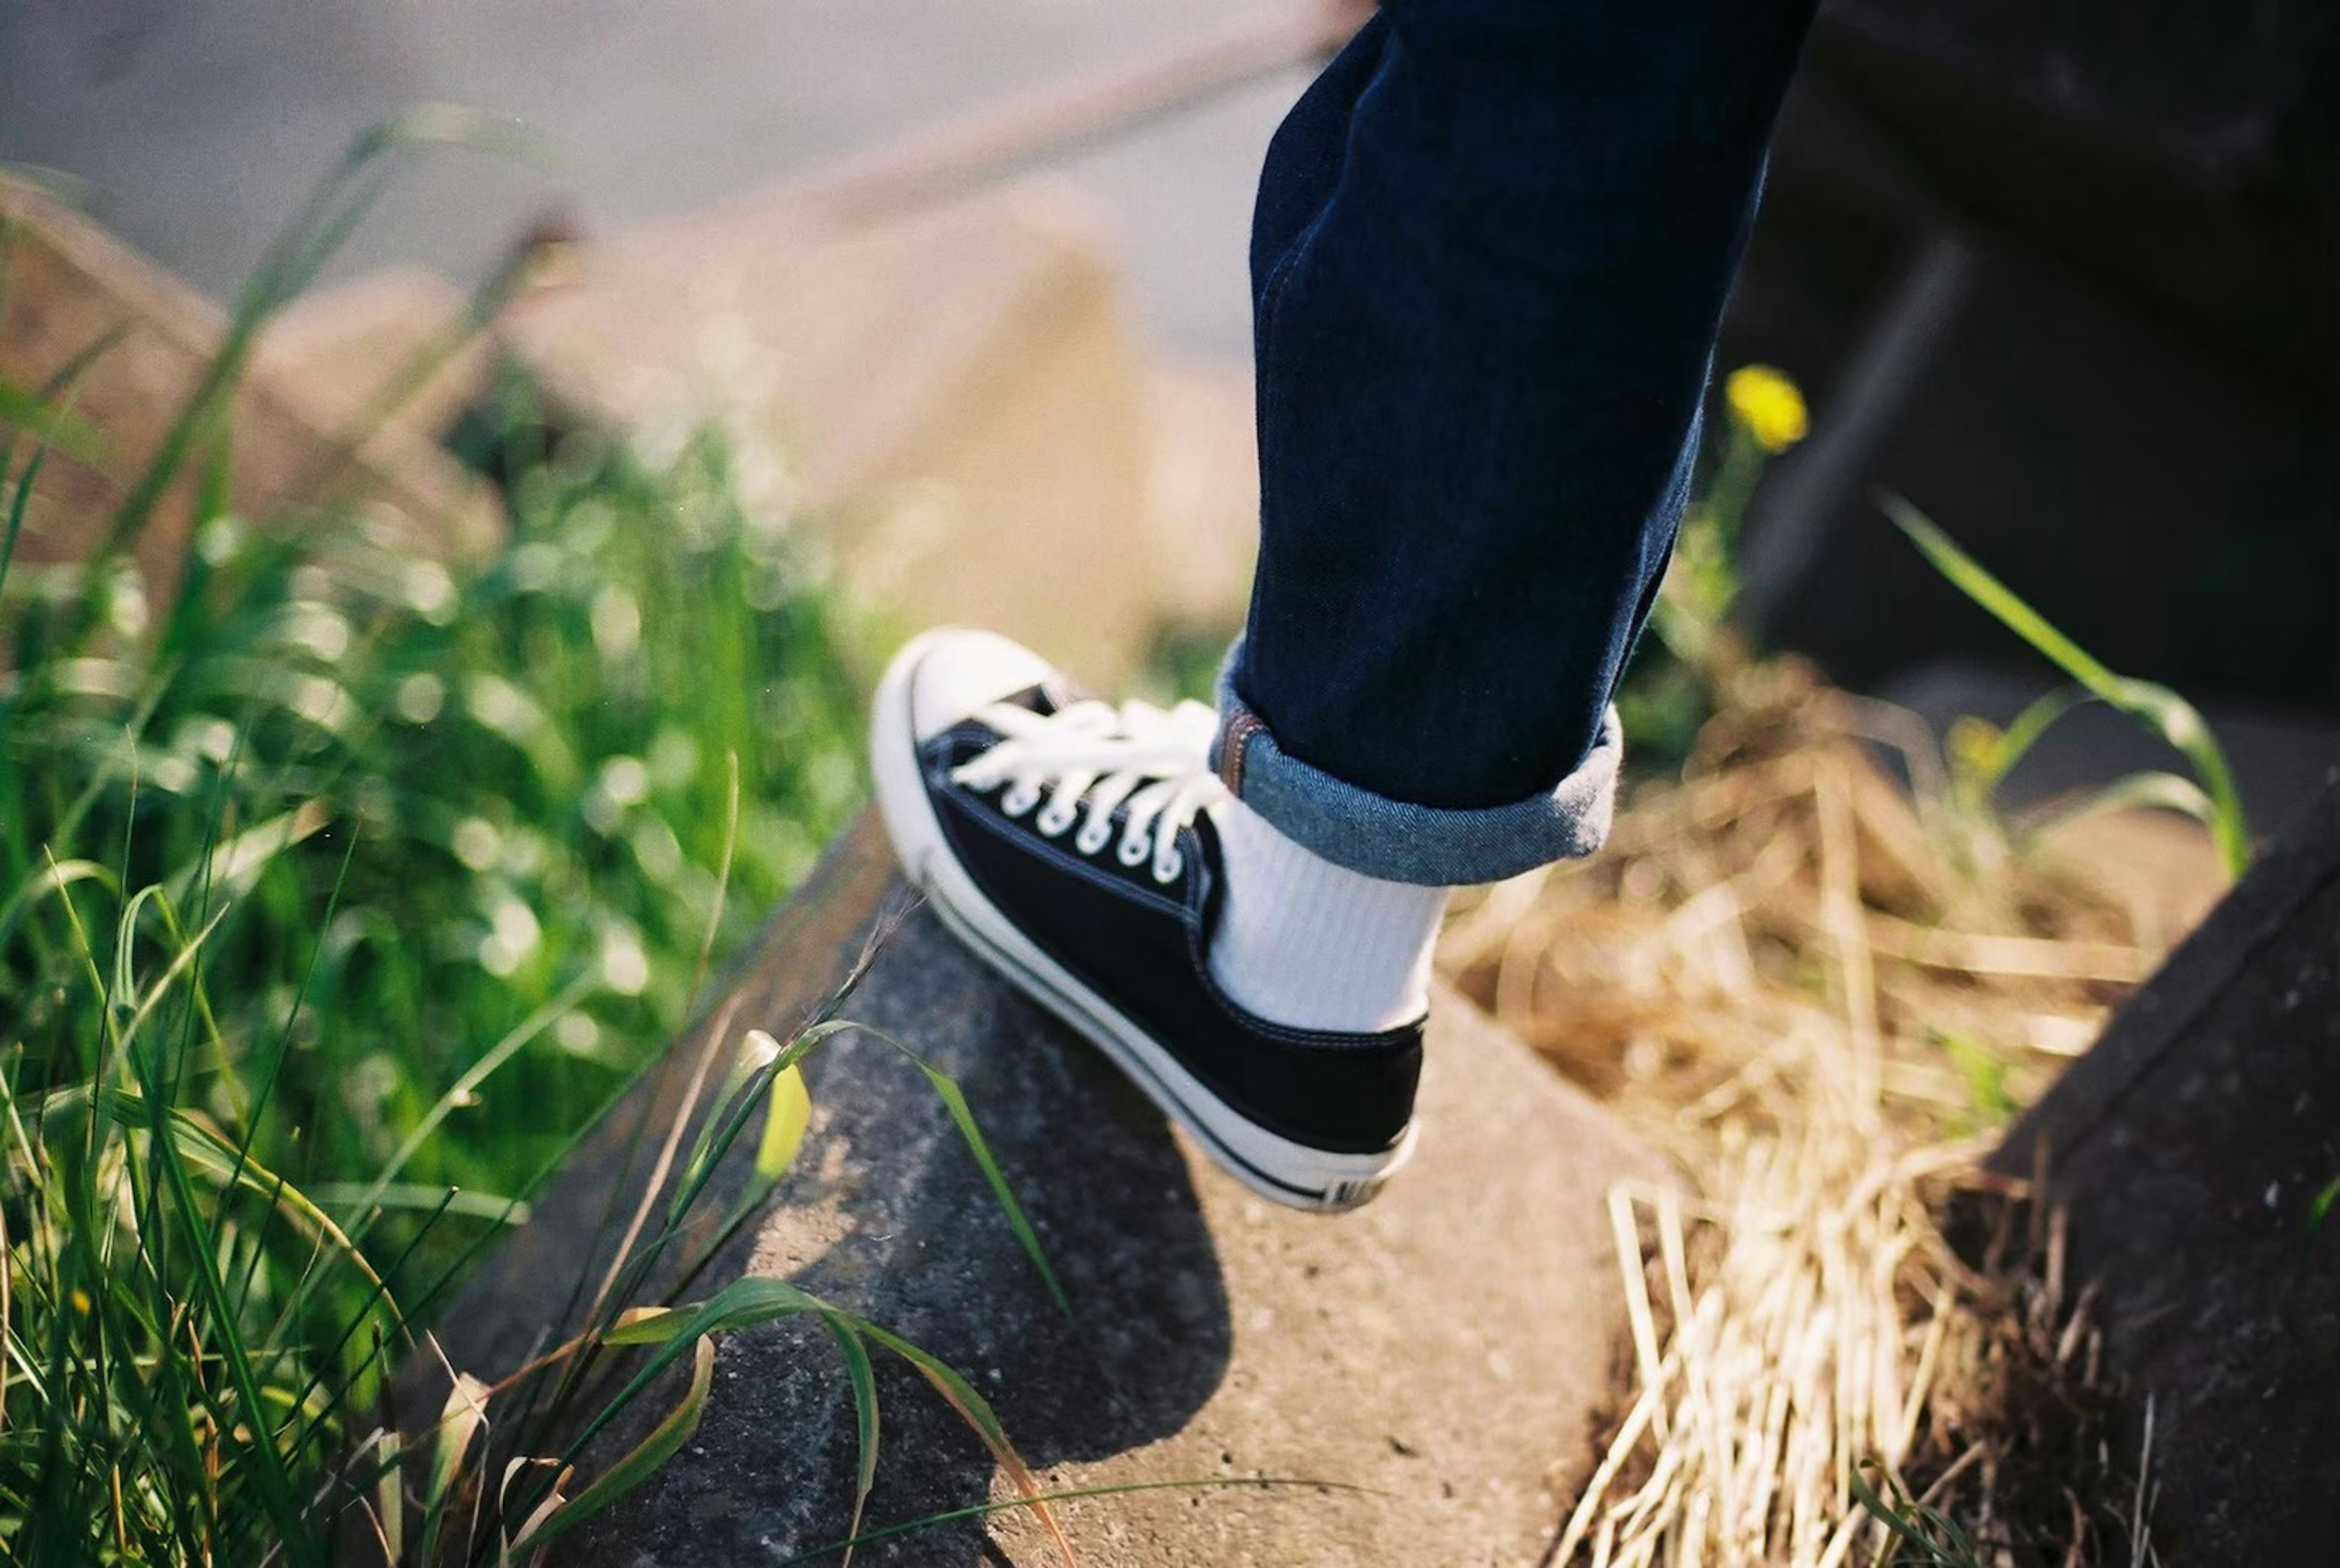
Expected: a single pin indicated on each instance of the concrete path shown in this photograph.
(1449, 1349)
(198, 124)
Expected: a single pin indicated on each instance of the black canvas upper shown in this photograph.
(1140, 944)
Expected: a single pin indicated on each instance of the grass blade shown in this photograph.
(742, 1303)
(976, 1411)
(467, 1085)
(460, 1420)
(755, 1299)
(2155, 790)
(205, 1148)
(2177, 721)
(659, 1446)
(864, 1381)
(323, 223)
(786, 1118)
(17, 502)
(954, 1101)
(2010, 745)
(2320, 1208)
(1958, 1552)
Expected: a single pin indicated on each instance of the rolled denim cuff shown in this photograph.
(1397, 840)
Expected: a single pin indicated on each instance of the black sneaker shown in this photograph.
(1068, 842)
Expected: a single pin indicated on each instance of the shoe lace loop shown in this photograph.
(1092, 758)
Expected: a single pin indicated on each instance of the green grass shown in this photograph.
(434, 811)
(1918, 1535)
(343, 874)
(1981, 755)
(340, 890)
(1680, 673)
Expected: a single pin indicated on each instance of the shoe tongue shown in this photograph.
(1051, 695)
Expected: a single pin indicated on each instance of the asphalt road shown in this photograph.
(198, 125)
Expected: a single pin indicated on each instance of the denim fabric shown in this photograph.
(1489, 260)
(1397, 840)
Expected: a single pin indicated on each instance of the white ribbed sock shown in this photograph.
(1310, 945)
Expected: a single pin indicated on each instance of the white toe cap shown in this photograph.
(958, 671)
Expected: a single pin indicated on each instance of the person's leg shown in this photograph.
(1485, 300)
(1299, 938)
(1482, 333)
(1491, 248)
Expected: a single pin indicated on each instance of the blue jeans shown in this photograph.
(1489, 260)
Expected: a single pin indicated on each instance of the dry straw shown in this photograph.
(1820, 1000)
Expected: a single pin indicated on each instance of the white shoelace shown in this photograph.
(1135, 756)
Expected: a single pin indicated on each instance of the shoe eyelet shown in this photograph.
(1088, 841)
(1018, 800)
(1052, 821)
(1133, 851)
(1167, 868)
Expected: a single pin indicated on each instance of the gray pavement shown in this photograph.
(198, 125)
(1445, 1353)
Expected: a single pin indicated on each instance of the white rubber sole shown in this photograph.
(1271, 1166)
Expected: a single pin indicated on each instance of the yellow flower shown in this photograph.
(1767, 404)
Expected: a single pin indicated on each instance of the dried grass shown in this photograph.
(1821, 1001)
